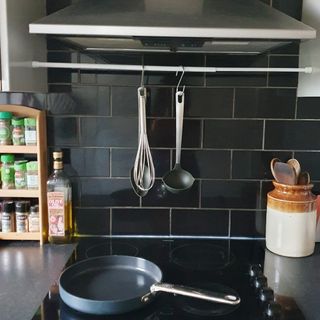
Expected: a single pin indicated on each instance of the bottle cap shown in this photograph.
(16, 121)
(8, 206)
(32, 166)
(22, 206)
(20, 165)
(34, 209)
(5, 115)
(7, 158)
(30, 122)
(57, 155)
(58, 164)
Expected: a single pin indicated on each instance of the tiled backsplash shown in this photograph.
(234, 125)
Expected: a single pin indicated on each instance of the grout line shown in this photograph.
(170, 221)
(233, 103)
(111, 221)
(260, 195)
(263, 134)
(201, 134)
(110, 162)
(205, 73)
(296, 108)
(231, 164)
(229, 224)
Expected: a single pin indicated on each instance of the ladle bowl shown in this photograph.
(178, 179)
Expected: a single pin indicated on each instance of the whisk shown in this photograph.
(143, 170)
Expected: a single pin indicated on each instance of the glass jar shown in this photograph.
(7, 171)
(20, 174)
(22, 214)
(5, 128)
(8, 220)
(34, 219)
(30, 131)
(32, 175)
(291, 220)
(18, 131)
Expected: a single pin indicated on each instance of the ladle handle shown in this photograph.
(196, 293)
(179, 123)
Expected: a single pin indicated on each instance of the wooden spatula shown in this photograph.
(284, 173)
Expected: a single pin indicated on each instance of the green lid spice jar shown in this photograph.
(30, 131)
(18, 131)
(20, 174)
(32, 175)
(5, 128)
(7, 171)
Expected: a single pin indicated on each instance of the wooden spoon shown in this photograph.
(284, 173)
(296, 165)
(272, 162)
(304, 178)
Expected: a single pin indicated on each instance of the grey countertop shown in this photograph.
(26, 272)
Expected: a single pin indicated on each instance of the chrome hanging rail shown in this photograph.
(128, 67)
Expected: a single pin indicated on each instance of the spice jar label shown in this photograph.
(56, 213)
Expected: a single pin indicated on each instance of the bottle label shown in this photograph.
(31, 137)
(56, 213)
(32, 181)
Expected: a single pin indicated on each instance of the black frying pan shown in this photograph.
(118, 284)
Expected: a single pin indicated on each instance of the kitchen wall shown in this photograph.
(234, 125)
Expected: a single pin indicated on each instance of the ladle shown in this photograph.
(178, 179)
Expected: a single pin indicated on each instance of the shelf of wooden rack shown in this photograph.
(40, 152)
(19, 149)
(20, 236)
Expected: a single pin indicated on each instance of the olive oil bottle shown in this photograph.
(59, 203)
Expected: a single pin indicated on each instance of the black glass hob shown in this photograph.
(226, 266)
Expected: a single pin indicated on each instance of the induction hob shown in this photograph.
(218, 265)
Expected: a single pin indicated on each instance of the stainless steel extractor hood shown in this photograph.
(218, 26)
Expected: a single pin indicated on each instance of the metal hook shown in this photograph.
(177, 89)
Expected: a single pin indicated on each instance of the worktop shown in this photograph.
(26, 272)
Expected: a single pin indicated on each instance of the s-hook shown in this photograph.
(182, 74)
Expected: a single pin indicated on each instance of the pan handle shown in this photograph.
(196, 293)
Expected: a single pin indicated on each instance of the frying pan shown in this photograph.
(118, 284)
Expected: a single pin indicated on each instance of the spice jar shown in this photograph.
(22, 213)
(291, 220)
(8, 216)
(34, 221)
(30, 131)
(20, 174)
(5, 128)
(7, 171)
(18, 131)
(32, 175)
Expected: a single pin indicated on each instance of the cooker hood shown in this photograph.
(217, 26)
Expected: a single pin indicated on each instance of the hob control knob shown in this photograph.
(266, 295)
(273, 311)
(260, 282)
(255, 270)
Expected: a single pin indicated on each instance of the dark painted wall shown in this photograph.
(234, 125)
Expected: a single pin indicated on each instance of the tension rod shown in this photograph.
(128, 67)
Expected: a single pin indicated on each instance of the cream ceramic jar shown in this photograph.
(291, 220)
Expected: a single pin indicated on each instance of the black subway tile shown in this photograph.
(266, 187)
(240, 79)
(255, 164)
(109, 132)
(186, 222)
(265, 103)
(235, 134)
(248, 223)
(309, 161)
(107, 192)
(34, 100)
(308, 108)
(207, 164)
(208, 102)
(140, 221)
(158, 196)
(162, 133)
(123, 161)
(125, 101)
(283, 79)
(62, 131)
(229, 194)
(292, 8)
(292, 135)
(92, 221)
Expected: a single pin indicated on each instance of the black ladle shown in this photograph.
(178, 179)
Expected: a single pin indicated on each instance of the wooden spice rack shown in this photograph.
(40, 152)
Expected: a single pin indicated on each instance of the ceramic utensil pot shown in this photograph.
(291, 220)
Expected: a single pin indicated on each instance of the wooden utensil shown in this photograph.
(296, 165)
(304, 178)
(272, 162)
(284, 173)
